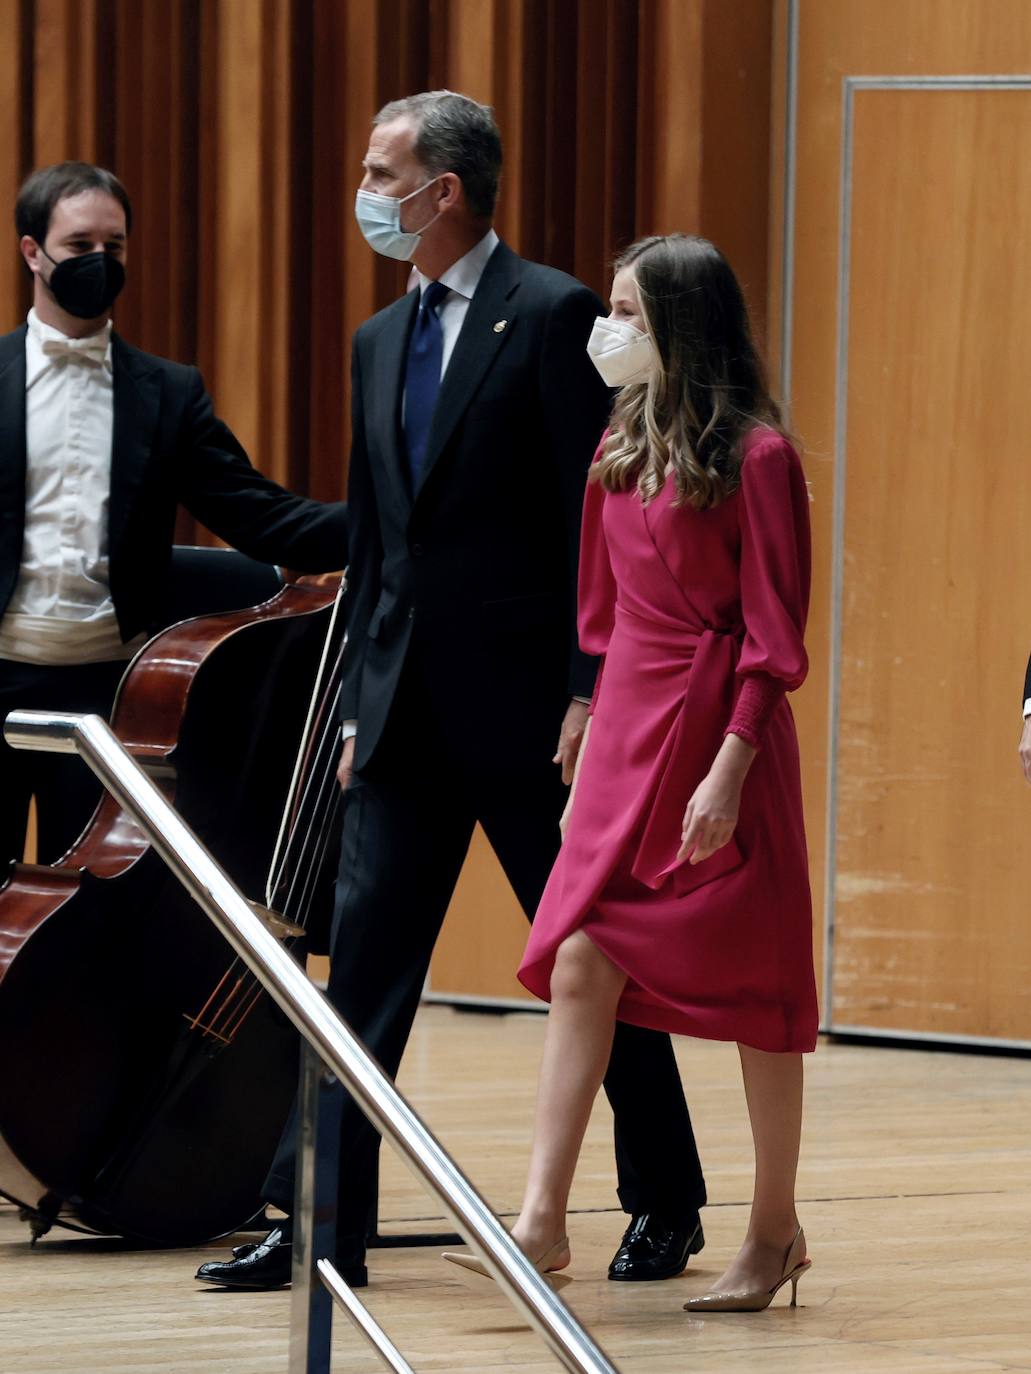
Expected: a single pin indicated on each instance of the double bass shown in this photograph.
(145, 1076)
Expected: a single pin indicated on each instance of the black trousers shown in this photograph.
(407, 828)
(65, 789)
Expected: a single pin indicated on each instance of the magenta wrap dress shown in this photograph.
(699, 617)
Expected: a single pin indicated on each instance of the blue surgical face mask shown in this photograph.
(379, 219)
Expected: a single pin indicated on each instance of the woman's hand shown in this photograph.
(711, 815)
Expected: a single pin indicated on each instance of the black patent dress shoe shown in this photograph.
(267, 1265)
(653, 1249)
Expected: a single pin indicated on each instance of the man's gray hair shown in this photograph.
(454, 134)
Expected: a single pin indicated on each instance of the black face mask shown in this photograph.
(86, 285)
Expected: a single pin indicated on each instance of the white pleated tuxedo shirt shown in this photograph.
(61, 611)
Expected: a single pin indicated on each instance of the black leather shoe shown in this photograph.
(653, 1249)
(267, 1265)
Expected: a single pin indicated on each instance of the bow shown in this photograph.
(93, 349)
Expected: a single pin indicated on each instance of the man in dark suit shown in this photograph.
(475, 413)
(98, 444)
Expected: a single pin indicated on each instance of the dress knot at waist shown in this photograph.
(681, 630)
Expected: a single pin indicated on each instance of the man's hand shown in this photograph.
(570, 739)
(330, 579)
(346, 764)
(1025, 749)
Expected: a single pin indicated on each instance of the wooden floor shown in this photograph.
(916, 1189)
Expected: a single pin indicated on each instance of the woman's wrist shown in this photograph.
(734, 759)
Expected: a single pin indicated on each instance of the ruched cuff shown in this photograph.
(758, 699)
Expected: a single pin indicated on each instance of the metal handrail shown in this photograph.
(316, 1020)
(359, 1314)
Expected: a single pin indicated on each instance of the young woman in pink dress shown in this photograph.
(680, 899)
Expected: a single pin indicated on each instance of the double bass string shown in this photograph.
(321, 776)
(204, 1009)
(315, 705)
(245, 993)
(315, 867)
(228, 1016)
(234, 1009)
(306, 815)
(318, 773)
(238, 1015)
(324, 770)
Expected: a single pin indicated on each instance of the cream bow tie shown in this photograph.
(94, 348)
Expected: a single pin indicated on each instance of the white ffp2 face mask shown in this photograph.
(379, 219)
(621, 353)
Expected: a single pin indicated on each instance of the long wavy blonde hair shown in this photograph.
(708, 392)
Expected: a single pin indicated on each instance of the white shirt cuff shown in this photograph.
(1027, 708)
(348, 730)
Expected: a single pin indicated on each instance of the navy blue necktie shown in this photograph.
(422, 378)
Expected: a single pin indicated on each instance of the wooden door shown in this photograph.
(907, 278)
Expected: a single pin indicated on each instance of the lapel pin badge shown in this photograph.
(500, 326)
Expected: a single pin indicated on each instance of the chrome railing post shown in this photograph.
(314, 1216)
(329, 1036)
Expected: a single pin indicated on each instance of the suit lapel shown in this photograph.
(137, 399)
(386, 386)
(486, 328)
(12, 431)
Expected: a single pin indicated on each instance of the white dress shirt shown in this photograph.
(61, 611)
(461, 278)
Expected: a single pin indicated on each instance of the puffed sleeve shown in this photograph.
(775, 579)
(596, 587)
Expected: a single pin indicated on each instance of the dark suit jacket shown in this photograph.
(473, 579)
(168, 447)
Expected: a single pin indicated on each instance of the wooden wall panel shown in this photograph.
(703, 138)
(15, 146)
(252, 76)
(239, 126)
(670, 116)
(69, 115)
(154, 148)
(900, 38)
(735, 144)
(933, 869)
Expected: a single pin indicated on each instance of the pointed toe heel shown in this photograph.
(796, 1263)
(474, 1274)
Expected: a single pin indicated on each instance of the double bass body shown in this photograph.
(145, 1079)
